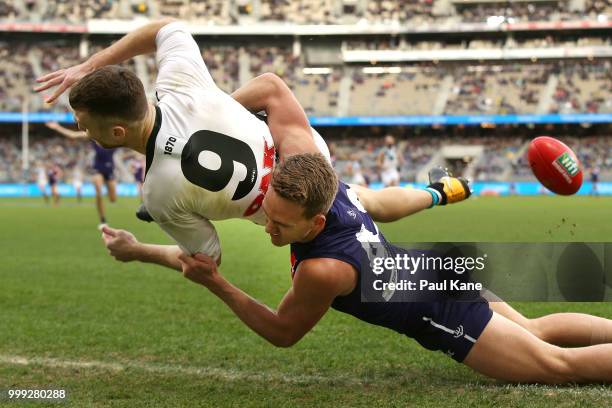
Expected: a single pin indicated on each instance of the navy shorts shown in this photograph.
(452, 326)
(138, 176)
(106, 173)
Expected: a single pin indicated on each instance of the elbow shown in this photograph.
(166, 20)
(271, 77)
(285, 340)
(284, 343)
(276, 84)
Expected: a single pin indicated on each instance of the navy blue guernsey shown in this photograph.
(103, 158)
(347, 226)
(443, 323)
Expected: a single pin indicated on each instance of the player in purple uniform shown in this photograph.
(595, 181)
(327, 226)
(103, 164)
(54, 174)
(105, 175)
(138, 170)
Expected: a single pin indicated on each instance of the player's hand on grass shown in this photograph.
(199, 268)
(63, 79)
(121, 244)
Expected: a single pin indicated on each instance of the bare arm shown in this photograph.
(164, 255)
(317, 282)
(72, 134)
(392, 203)
(138, 42)
(123, 246)
(287, 120)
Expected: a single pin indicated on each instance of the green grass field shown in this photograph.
(134, 335)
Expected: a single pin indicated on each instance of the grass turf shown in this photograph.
(163, 341)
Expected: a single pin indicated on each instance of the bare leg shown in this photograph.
(507, 351)
(561, 329)
(43, 190)
(55, 195)
(111, 187)
(98, 181)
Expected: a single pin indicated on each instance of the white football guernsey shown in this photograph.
(208, 158)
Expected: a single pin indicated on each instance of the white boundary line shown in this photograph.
(220, 373)
(239, 375)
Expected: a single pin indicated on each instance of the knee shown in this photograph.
(537, 328)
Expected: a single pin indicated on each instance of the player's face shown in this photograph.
(285, 221)
(97, 129)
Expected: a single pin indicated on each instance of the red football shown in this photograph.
(555, 165)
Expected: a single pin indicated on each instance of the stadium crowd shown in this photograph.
(548, 41)
(452, 88)
(354, 149)
(223, 12)
(423, 88)
(45, 149)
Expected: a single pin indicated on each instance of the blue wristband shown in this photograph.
(435, 196)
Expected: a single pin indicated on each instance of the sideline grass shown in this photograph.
(63, 298)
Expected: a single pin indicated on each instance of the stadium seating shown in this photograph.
(223, 12)
(509, 88)
(357, 88)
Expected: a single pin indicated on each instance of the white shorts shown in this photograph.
(390, 177)
(358, 179)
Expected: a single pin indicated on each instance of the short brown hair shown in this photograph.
(308, 180)
(110, 91)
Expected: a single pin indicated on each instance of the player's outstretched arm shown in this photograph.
(123, 246)
(138, 42)
(72, 134)
(316, 283)
(287, 120)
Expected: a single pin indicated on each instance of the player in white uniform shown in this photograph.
(208, 158)
(77, 182)
(354, 171)
(389, 161)
(41, 180)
